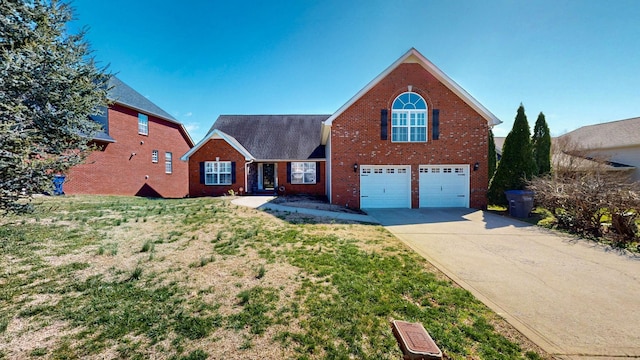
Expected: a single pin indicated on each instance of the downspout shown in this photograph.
(246, 175)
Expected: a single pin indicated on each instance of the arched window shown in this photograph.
(409, 118)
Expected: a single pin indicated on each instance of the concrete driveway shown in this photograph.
(575, 299)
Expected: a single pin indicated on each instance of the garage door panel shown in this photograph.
(444, 185)
(385, 186)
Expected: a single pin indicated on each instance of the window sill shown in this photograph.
(409, 142)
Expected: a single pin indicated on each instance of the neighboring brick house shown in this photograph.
(138, 150)
(412, 137)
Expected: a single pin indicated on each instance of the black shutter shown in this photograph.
(435, 124)
(318, 167)
(202, 172)
(288, 173)
(383, 124)
(233, 172)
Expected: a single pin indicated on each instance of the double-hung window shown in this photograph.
(303, 172)
(409, 118)
(143, 124)
(217, 173)
(168, 163)
(154, 156)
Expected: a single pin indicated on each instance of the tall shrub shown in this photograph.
(541, 141)
(493, 156)
(517, 164)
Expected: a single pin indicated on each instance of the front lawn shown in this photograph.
(119, 277)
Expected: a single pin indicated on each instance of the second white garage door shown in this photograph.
(444, 185)
(385, 186)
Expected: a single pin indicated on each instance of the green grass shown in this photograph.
(88, 264)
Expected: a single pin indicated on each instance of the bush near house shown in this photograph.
(541, 142)
(591, 202)
(517, 164)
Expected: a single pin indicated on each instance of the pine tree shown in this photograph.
(48, 88)
(517, 164)
(541, 141)
(493, 156)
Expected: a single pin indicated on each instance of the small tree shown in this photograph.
(541, 141)
(517, 165)
(48, 88)
(493, 156)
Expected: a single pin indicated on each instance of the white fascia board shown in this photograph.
(288, 160)
(324, 135)
(436, 72)
(217, 134)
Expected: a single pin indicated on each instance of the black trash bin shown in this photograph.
(520, 202)
(58, 182)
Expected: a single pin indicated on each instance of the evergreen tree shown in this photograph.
(48, 88)
(493, 156)
(517, 164)
(541, 141)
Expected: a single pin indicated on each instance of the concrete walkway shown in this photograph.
(264, 203)
(574, 299)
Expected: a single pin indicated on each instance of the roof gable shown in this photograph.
(413, 56)
(217, 134)
(615, 134)
(270, 137)
(123, 94)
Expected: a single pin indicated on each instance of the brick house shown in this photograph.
(138, 150)
(410, 138)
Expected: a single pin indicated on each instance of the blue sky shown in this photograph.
(578, 61)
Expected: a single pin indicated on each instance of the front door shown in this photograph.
(268, 176)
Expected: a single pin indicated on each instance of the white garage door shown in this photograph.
(385, 186)
(444, 185)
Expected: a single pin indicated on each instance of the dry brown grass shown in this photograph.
(206, 275)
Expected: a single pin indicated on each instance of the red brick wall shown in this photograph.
(113, 171)
(311, 189)
(355, 137)
(221, 149)
(212, 149)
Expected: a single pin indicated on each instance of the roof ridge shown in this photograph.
(607, 123)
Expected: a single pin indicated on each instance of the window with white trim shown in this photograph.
(217, 173)
(154, 156)
(303, 172)
(143, 124)
(168, 163)
(409, 118)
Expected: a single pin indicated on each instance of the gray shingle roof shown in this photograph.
(123, 94)
(276, 137)
(621, 133)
